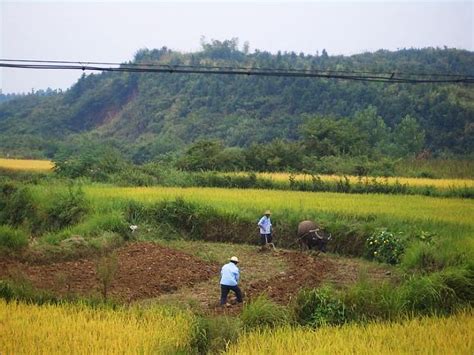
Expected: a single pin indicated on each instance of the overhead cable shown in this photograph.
(387, 77)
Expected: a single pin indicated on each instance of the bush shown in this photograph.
(12, 239)
(263, 313)
(16, 205)
(384, 247)
(66, 209)
(319, 307)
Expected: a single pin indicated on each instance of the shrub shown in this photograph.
(384, 247)
(12, 239)
(262, 312)
(16, 205)
(106, 269)
(319, 307)
(66, 209)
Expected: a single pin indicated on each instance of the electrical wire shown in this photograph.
(387, 77)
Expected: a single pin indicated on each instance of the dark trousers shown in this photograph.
(225, 291)
(265, 238)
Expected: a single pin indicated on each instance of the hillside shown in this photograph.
(148, 115)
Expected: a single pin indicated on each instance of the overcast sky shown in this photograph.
(113, 31)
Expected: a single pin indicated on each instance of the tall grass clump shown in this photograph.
(262, 312)
(319, 307)
(21, 289)
(12, 239)
(441, 292)
(213, 335)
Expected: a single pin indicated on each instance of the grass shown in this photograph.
(436, 335)
(76, 329)
(27, 165)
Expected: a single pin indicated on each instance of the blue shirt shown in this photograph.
(265, 225)
(230, 274)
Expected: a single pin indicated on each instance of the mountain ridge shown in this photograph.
(148, 115)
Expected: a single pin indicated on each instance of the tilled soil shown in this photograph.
(148, 270)
(304, 271)
(145, 270)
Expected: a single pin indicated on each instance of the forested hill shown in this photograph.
(147, 115)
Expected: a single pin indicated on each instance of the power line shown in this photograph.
(387, 77)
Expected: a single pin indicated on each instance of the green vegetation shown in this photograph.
(319, 307)
(262, 312)
(252, 123)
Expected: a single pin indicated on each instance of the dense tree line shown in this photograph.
(155, 116)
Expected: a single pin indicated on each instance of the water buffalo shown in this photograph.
(310, 235)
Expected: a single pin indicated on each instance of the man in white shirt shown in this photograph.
(265, 225)
(230, 275)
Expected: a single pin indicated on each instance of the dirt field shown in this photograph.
(145, 270)
(151, 271)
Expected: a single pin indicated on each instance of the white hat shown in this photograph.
(234, 259)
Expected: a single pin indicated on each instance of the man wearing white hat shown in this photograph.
(230, 275)
(265, 225)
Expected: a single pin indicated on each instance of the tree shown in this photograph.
(374, 130)
(202, 155)
(325, 136)
(408, 136)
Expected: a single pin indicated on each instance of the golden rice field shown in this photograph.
(417, 182)
(27, 165)
(453, 335)
(242, 201)
(75, 329)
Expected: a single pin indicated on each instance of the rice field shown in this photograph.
(26, 165)
(75, 329)
(248, 202)
(453, 335)
(414, 182)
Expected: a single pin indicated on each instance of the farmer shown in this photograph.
(229, 279)
(265, 225)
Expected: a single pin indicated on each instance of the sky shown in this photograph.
(113, 31)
